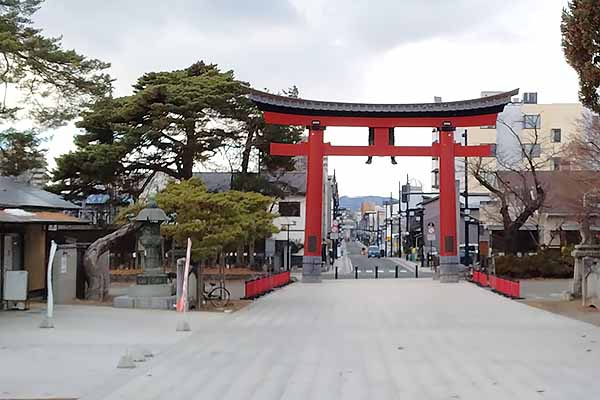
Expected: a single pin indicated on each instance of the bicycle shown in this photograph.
(218, 296)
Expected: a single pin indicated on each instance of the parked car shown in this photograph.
(373, 251)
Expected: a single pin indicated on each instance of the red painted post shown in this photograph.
(311, 263)
(448, 234)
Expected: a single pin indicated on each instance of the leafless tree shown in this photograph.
(584, 148)
(584, 152)
(518, 192)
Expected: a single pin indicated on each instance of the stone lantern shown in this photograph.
(152, 289)
(149, 221)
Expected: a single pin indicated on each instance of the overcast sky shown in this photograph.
(361, 50)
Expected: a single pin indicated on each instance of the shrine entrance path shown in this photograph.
(375, 339)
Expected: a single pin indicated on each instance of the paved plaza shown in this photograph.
(345, 339)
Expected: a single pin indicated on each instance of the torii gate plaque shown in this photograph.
(316, 115)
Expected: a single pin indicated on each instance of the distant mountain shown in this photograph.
(353, 203)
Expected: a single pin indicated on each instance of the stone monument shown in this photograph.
(586, 275)
(152, 289)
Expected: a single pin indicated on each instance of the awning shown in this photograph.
(19, 216)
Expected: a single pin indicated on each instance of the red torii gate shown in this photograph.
(316, 115)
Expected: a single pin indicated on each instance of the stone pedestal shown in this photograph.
(449, 269)
(586, 274)
(150, 291)
(581, 251)
(311, 269)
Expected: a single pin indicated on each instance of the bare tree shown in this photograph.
(584, 153)
(514, 183)
(584, 149)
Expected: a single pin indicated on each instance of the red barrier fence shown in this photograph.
(259, 286)
(500, 285)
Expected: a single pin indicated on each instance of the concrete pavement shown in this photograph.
(84, 347)
(386, 266)
(544, 289)
(374, 339)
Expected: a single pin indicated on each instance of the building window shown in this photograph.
(532, 121)
(488, 127)
(556, 163)
(435, 179)
(533, 150)
(556, 135)
(289, 208)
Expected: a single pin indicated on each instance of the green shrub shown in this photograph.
(547, 263)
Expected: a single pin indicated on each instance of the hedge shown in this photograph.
(547, 263)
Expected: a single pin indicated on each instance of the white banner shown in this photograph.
(182, 303)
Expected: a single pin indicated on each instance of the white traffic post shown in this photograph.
(182, 303)
(48, 321)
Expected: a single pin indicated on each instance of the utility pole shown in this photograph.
(391, 225)
(467, 260)
(378, 239)
(399, 219)
(407, 213)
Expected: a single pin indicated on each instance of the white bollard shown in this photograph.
(48, 321)
(126, 361)
(137, 355)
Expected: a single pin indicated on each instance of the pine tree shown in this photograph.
(20, 152)
(37, 75)
(581, 44)
(171, 122)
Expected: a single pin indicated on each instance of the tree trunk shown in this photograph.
(510, 241)
(246, 153)
(251, 253)
(98, 274)
(239, 255)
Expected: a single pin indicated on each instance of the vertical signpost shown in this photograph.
(430, 239)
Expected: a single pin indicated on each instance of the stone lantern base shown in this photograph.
(586, 279)
(151, 291)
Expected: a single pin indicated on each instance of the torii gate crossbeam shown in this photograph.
(316, 115)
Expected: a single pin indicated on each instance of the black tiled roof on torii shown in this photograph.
(289, 105)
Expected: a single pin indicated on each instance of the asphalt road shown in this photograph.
(386, 267)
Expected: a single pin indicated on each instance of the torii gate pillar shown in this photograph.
(448, 239)
(312, 260)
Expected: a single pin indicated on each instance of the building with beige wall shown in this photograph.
(545, 129)
(555, 125)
